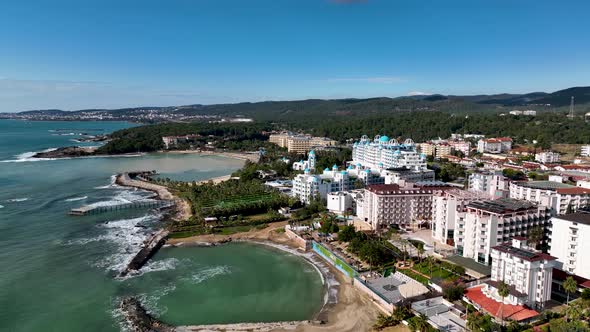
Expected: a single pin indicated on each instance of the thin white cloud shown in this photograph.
(419, 93)
(377, 79)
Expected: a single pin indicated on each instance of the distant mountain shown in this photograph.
(563, 97)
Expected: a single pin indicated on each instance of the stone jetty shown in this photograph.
(137, 318)
(152, 245)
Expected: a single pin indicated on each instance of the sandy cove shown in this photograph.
(353, 311)
(183, 208)
(251, 156)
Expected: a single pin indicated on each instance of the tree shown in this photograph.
(420, 249)
(419, 323)
(453, 292)
(347, 233)
(569, 286)
(536, 235)
(503, 291)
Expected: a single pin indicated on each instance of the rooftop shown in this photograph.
(491, 306)
(528, 255)
(580, 218)
(550, 185)
(502, 205)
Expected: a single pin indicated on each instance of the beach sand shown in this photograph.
(353, 311)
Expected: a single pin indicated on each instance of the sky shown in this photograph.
(108, 54)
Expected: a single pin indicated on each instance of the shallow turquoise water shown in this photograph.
(57, 270)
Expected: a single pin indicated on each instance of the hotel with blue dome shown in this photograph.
(385, 153)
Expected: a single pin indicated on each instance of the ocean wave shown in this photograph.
(28, 156)
(150, 300)
(208, 273)
(125, 196)
(74, 199)
(16, 200)
(112, 184)
(1, 206)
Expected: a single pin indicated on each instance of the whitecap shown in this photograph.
(209, 273)
(74, 199)
(112, 184)
(28, 156)
(1, 206)
(15, 200)
(150, 301)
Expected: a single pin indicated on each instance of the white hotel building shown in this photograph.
(570, 242)
(383, 153)
(561, 198)
(489, 223)
(528, 273)
(448, 208)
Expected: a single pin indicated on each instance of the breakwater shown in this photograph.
(152, 245)
(137, 318)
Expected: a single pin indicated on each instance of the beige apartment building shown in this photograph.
(300, 143)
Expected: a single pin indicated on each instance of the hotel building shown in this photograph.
(570, 241)
(383, 153)
(492, 222)
(300, 143)
(493, 184)
(388, 204)
(560, 198)
(494, 145)
(449, 207)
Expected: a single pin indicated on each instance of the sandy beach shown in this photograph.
(352, 312)
(251, 156)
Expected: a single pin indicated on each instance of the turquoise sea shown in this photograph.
(57, 271)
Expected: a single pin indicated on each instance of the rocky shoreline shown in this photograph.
(67, 152)
(139, 320)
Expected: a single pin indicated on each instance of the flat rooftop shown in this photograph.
(503, 205)
(581, 218)
(470, 264)
(547, 185)
(528, 255)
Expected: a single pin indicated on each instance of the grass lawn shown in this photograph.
(437, 271)
(230, 201)
(414, 276)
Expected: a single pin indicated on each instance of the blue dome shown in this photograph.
(326, 169)
(343, 172)
(367, 171)
(380, 164)
(334, 167)
(306, 170)
(312, 152)
(349, 167)
(397, 152)
(384, 139)
(358, 164)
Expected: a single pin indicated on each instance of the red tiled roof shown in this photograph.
(509, 311)
(561, 275)
(573, 191)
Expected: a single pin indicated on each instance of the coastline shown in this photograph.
(348, 311)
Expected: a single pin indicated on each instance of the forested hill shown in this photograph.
(546, 128)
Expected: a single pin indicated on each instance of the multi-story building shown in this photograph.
(547, 157)
(528, 273)
(308, 186)
(448, 207)
(172, 141)
(306, 164)
(299, 143)
(439, 149)
(489, 223)
(493, 184)
(343, 202)
(388, 204)
(585, 151)
(384, 153)
(570, 240)
(461, 145)
(494, 145)
(560, 198)
(402, 175)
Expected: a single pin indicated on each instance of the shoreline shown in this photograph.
(349, 311)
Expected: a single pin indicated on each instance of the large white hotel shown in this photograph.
(383, 153)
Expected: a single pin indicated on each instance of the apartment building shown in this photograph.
(492, 222)
(547, 157)
(448, 207)
(403, 175)
(383, 153)
(560, 198)
(527, 272)
(300, 143)
(570, 241)
(494, 145)
(491, 183)
(436, 149)
(585, 151)
(388, 204)
(308, 186)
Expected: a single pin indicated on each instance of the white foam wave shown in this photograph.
(150, 301)
(28, 156)
(16, 200)
(161, 265)
(124, 196)
(1, 206)
(112, 184)
(209, 273)
(74, 199)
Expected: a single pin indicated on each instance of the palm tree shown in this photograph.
(419, 323)
(569, 286)
(503, 291)
(420, 250)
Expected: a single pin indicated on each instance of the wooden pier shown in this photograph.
(89, 209)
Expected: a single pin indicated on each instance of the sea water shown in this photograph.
(57, 272)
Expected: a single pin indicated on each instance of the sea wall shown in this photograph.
(298, 239)
(382, 304)
(333, 259)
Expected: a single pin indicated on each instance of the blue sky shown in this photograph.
(86, 54)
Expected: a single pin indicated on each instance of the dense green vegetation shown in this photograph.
(375, 251)
(149, 138)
